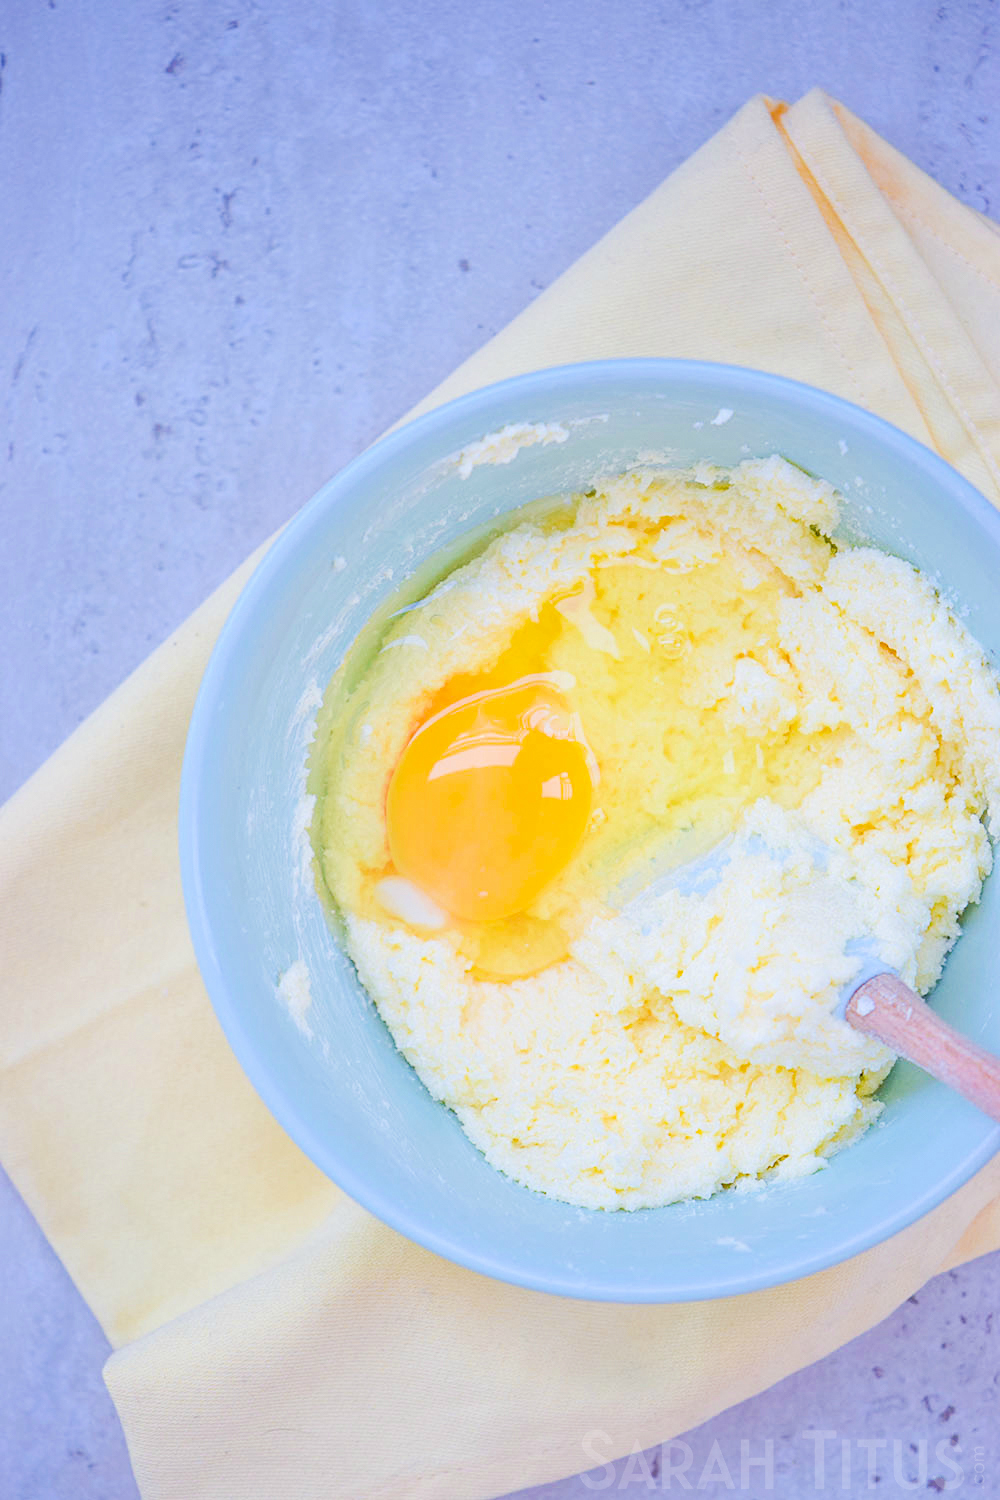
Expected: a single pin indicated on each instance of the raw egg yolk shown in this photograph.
(490, 799)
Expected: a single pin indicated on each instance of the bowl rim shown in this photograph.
(281, 1103)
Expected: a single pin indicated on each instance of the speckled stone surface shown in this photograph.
(236, 242)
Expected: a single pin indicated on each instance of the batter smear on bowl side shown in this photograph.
(523, 778)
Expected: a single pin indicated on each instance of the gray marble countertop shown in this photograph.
(237, 241)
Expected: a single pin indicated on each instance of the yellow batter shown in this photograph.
(706, 678)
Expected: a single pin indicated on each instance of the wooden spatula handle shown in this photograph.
(886, 1008)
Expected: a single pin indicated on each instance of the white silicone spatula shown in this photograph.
(880, 1005)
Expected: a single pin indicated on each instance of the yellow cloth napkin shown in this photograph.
(273, 1339)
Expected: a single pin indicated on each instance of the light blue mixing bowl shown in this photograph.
(338, 1086)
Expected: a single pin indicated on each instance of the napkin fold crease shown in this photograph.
(273, 1340)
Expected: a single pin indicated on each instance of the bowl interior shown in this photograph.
(333, 1077)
